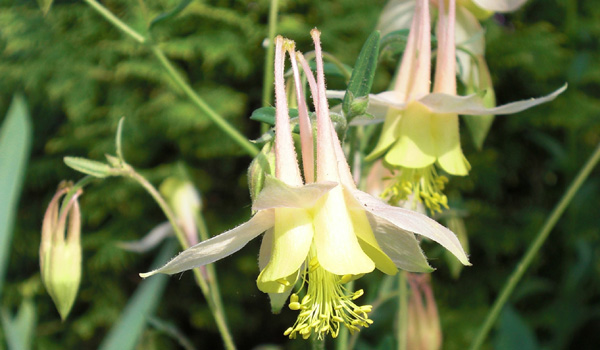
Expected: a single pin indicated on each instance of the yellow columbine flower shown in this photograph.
(320, 230)
(421, 129)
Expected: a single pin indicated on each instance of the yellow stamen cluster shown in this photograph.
(327, 305)
(424, 184)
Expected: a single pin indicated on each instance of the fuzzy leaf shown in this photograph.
(89, 167)
(362, 75)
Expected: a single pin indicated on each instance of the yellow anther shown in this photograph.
(288, 331)
(294, 298)
(305, 313)
(359, 293)
(327, 305)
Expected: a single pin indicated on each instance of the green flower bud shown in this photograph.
(60, 256)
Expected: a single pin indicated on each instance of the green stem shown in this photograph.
(240, 139)
(116, 21)
(216, 308)
(402, 310)
(210, 268)
(517, 274)
(267, 94)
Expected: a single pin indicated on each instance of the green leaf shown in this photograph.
(89, 167)
(267, 115)
(363, 74)
(45, 5)
(125, 333)
(15, 141)
(513, 332)
(19, 331)
(170, 14)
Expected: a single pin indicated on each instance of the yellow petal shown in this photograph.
(388, 134)
(338, 250)
(283, 285)
(292, 237)
(444, 129)
(367, 241)
(415, 147)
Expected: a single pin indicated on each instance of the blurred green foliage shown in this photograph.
(80, 75)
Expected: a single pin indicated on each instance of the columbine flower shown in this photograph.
(60, 258)
(421, 128)
(322, 230)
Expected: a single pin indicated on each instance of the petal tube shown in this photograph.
(277, 194)
(286, 163)
(292, 238)
(219, 246)
(416, 146)
(338, 250)
(413, 222)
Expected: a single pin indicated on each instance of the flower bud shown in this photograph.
(424, 330)
(186, 203)
(60, 256)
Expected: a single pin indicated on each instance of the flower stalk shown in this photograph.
(229, 130)
(534, 248)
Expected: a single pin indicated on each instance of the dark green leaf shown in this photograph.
(513, 332)
(267, 115)
(363, 73)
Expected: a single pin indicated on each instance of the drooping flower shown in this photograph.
(320, 230)
(421, 128)
(60, 256)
